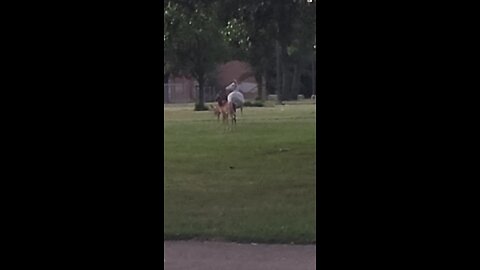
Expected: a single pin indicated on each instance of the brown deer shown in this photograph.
(220, 111)
(227, 111)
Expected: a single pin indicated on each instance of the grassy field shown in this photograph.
(253, 184)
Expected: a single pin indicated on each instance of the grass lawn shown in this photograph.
(253, 184)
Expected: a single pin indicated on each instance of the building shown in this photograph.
(185, 89)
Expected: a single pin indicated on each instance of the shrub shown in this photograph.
(199, 107)
(253, 104)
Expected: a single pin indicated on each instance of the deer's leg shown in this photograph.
(225, 121)
(233, 111)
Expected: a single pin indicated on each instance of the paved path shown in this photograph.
(191, 255)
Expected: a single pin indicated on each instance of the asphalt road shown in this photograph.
(191, 255)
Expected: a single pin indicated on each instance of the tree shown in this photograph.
(251, 34)
(275, 37)
(300, 50)
(193, 43)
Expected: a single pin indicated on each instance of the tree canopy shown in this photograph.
(276, 37)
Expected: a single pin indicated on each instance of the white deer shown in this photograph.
(234, 100)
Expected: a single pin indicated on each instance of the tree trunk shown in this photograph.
(278, 75)
(258, 78)
(268, 84)
(166, 76)
(313, 77)
(286, 74)
(201, 99)
(264, 86)
(284, 83)
(293, 89)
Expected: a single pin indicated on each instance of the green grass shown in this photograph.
(253, 184)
